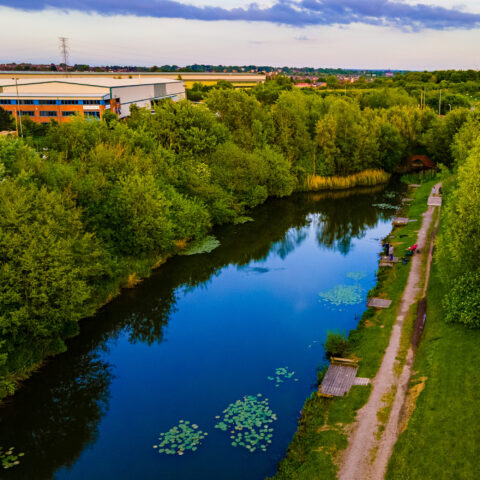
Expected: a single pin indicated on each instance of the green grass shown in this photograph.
(321, 435)
(443, 435)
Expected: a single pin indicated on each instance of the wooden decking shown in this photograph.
(340, 377)
(434, 201)
(386, 258)
(379, 303)
(385, 264)
(400, 221)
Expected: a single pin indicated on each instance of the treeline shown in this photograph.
(459, 242)
(87, 207)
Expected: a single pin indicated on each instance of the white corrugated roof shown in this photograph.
(51, 95)
(95, 82)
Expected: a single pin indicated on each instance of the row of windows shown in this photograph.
(52, 102)
(53, 113)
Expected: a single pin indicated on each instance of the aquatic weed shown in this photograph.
(204, 245)
(181, 438)
(342, 295)
(248, 421)
(8, 458)
(282, 374)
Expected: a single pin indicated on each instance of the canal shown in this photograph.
(194, 340)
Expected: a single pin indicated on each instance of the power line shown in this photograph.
(64, 50)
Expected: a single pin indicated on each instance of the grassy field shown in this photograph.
(442, 439)
(321, 433)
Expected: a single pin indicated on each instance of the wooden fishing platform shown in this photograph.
(340, 377)
(400, 221)
(434, 201)
(414, 185)
(379, 303)
(386, 258)
(385, 264)
(405, 200)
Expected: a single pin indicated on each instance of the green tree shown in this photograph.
(6, 120)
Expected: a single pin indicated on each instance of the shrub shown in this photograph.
(462, 302)
(336, 344)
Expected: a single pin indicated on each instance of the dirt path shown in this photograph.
(367, 454)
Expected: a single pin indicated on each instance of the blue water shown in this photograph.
(199, 334)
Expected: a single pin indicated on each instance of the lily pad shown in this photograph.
(342, 295)
(385, 206)
(250, 417)
(180, 438)
(9, 458)
(204, 245)
(356, 276)
(282, 374)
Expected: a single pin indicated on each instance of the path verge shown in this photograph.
(376, 428)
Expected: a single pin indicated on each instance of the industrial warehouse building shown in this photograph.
(60, 99)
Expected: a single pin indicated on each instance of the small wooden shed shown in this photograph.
(420, 162)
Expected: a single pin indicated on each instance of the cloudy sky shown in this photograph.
(397, 34)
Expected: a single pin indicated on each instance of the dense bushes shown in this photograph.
(459, 243)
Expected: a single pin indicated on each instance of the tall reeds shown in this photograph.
(367, 178)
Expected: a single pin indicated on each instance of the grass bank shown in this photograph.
(442, 436)
(367, 178)
(324, 425)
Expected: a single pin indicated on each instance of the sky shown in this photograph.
(395, 34)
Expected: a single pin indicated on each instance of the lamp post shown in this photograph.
(18, 117)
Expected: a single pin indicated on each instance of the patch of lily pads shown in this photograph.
(182, 438)
(390, 195)
(204, 245)
(385, 206)
(249, 423)
(342, 295)
(282, 374)
(9, 458)
(356, 276)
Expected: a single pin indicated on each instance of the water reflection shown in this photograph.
(56, 415)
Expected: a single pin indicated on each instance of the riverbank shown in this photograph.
(27, 358)
(444, 397)
(325, 424)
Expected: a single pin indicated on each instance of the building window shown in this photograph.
(5, 102)
(25, 102)
(91, 102)
(28, 113)
(68, 114)
(69, 102)
(47, 113)
(47, 102)
(92, 114)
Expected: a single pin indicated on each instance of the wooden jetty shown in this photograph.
(400, 221)
(386, 258)
(340, 377)
(405, 200)
(414, 185)
(379, 303)
(434, 201)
